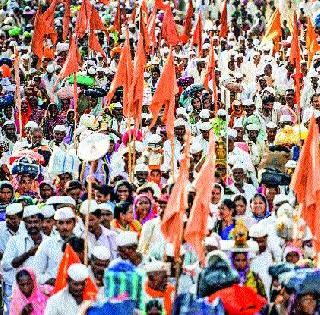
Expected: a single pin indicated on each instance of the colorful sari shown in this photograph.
(134, 226)
(38, 299)
(151, 213)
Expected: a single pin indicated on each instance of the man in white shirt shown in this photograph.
(21, 248)
(50, 253)
(69, 299)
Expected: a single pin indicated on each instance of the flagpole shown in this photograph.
(17, 81)
(87, 214)
(172, 158)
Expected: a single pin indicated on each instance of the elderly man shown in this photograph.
(69, 300)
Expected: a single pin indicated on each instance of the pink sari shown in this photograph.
(38, 299)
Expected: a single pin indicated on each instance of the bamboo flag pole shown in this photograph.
(17, 81)
(172, 158)
(87, 214)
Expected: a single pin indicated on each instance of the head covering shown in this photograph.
(101, 252)
(65, 213)
(127, 238)
(150, 214)
(30, 211)
(78, 272)
(13, 208)
(48, 211)
(37, 298)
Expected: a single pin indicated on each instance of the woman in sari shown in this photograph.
(123, 218)
(142, 209)
(28, 297)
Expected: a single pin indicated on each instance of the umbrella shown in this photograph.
(29, 154)
(239, 300)
(93, 147)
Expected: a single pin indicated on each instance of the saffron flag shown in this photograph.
(117, 19)
(172, 222)
(274, 31)
(83, 18)
(295, 60)
(311, 42)
(70, 257)
(123, 76)
(210, 75)
(137, 85)
(66, 19)
(224, 21)
(196, 229)
(187, 23)
(143, 25)
(306, 181)
(165, 95)
(169, 29)
(152, 28)
(95, 21)
(95, 45)
(197, 35)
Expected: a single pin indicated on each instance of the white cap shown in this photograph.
(78, 272)
(271, 125)
(252, 127)
(141, 168)
(85, 206)
(104, 207)
(221, 112)
(61, 128)
(181, 111)
(280, 198)
(285, 118)
(205, 126)
(65, 213)
(31, 124)
(156, 266)
(213, 240)
(180, 122)
(258, 230)
(48, 211)
(206, 46)
(31, 210)
(291, 164)
(196, 147)
(14, 208)
(127, 238)
(67, 200)
(204, 113)
(154, 138)
(248, 102)
(239, 165)
(232, 133)
(238, 124)
(101, 252)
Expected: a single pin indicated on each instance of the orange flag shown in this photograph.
(172, 222)
(210, 75)
(311, 42)
(66, 19)
(136, 88)
(159, 5)
(70, 257)
(152, 28)
(123, 77)
(306, 181)
(117, 19)
(95, 21)
(224, 21)
(187, 23)
(274, 31)
(295, 60)
(143, 25)
(95, 45)
(83, 18)
(196, 228)
(165, 95)
(169, 29)
(38, 36)
(197, 35)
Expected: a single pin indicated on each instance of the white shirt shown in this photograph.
(48, 257)
(62, 303)
(16, 246)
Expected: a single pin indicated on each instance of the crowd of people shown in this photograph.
(97, 182)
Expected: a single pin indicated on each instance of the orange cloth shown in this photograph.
(165, 95)
(95, 45)
(169, 29)
(6, 72)
(167, 296)
(143, 25)
(197, 35)
(306, 181)
(274, 31)
(311, 42)
(83, 18)
(224, 21)
(196, 228)
(187, 23)
(172, 222)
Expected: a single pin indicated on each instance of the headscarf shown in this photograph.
(37, 298)
(267, 213)
(242, 273)
(151, 214)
